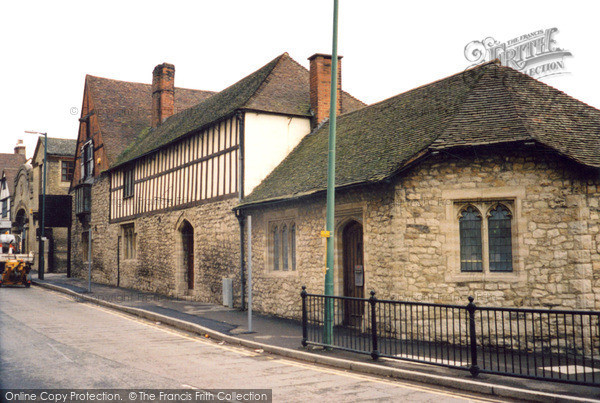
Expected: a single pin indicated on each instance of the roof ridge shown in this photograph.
(265, 80)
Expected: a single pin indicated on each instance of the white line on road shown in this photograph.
(59, 352)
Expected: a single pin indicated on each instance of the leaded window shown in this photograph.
(500, 239)
(282, 245)
(293, 245)
(275, 248)
(128, 183)
(470, 240)
(87, 160)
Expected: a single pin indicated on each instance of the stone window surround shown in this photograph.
(123, 230)
(60, 173)
(287, 216)
(456, 199)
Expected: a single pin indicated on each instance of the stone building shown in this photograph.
(485, 183)
(161, 211)
(29, 187)
(113, 113)
(9, 165)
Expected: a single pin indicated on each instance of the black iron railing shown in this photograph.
(547, 344)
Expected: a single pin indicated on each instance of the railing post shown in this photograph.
(474, 369)
(304, 317)
(375, 350)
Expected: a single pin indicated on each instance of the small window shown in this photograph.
(128, 183)
(87, 160)
(470, 240)
(293, 245)
(282, 245)
(66, 171)
(129, 249)
(500, 239)
(4, 208)
(275, 255)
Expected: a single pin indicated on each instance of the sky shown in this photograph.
(388, 47)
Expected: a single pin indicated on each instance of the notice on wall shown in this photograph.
(359, 276)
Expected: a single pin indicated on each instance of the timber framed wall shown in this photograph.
(197, 169)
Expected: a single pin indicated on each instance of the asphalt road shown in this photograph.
(48, 340)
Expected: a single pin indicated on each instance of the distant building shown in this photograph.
(9, 165)
(29, 186)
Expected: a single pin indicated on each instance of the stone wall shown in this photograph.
(411, 247)
(158, 266)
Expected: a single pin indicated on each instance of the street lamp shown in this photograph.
(43, 226)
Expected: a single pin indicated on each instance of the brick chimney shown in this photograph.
(163, 93)
(20, 148)
(320, 86)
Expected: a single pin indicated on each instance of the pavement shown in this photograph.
(283, 337)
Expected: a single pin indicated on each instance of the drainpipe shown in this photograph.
(239, 214)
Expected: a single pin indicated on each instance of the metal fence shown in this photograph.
(556, 345)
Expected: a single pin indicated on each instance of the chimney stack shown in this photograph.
(20, 148)
(163, 93)
(320, 86)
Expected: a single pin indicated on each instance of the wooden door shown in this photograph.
(352, 240)
(187, 234)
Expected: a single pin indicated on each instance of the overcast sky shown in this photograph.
(389, 46)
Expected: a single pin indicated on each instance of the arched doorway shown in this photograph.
(352, 246)
(187, 242)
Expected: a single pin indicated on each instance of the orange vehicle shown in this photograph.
(14, 267)
(16, 272)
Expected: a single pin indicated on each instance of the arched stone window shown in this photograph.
(470, 240)
(284, 247)
(293, 245)
(500, 239)
(275, 248)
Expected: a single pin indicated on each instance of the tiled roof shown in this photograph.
(488, 104)
(60, 147)
(9, 165)
(124, 109)
(281, 86)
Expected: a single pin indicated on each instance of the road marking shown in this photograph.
(312, 367)
(59, 352)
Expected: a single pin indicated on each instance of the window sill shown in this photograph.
(484, 276)
(282, 273)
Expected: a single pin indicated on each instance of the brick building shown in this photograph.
(161, 209)
(29, 186)
(485, 183)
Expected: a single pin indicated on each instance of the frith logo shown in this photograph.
(535, 54)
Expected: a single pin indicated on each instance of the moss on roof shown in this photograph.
(281, 86)
(489, 104)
